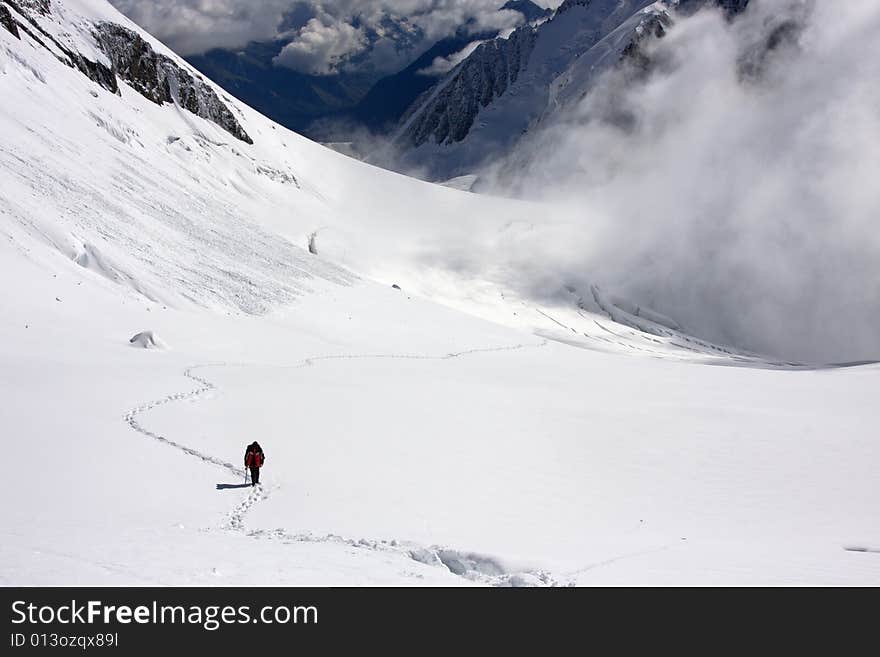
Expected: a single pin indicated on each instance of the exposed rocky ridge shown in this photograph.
(153, 75)
(7, 21)
(530, 10)
(95, 71)
(558, 59)
(781, 34)
(39, 6)
(487, 74)
(362, 95)
(655, 27)
(161, 79)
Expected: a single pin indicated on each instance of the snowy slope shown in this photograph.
(582, 441)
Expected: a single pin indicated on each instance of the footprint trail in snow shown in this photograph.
(472, 566)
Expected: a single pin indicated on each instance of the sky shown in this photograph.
(324, 35)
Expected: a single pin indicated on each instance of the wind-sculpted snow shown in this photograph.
(226, 262)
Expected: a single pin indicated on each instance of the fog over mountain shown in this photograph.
(721, 175)
(732, 185)
(620, 377)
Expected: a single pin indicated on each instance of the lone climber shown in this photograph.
(254, 459)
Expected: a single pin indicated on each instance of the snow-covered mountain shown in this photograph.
(366, 89)
(183, 276)
(507, 85)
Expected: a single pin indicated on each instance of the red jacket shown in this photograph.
(254, 458)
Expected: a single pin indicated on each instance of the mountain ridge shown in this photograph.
(507, 85)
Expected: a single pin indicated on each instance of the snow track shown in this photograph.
(476, 567)
(131, 418)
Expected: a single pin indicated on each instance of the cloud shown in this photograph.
(391, 33)
(442, 65)
(319, 49)
(325, 35)
(733, 189)
(194, 26)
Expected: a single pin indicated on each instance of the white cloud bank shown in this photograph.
(734, 191)
(319, 49)
(325, 34)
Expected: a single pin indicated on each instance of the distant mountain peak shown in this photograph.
(507, 85)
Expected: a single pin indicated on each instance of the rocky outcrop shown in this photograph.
(530, 11)
(7, 21)
(42, 7)
(634, 55)
(132, 59)
(506, 86)
(732, 7)
(27, 9)
(95, 71)
(160, 79)
(487, 74)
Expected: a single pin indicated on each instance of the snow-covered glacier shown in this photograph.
(426, 419)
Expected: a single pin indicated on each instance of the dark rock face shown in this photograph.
(335, 107)
(480, 79)
(95, 71)
(781, 36)
(160, 79)
(389, 98)
(134, 61)
(448, 115)
(634, 55)
(7, 21)
(151, 74)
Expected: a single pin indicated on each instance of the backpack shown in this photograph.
(254, 459)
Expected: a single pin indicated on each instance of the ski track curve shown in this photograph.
(473, 566)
